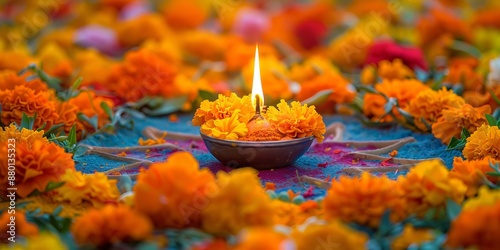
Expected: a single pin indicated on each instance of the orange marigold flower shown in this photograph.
(403, 90)
(205, 45)
(487, 17)
(150, 142)
(394, 70)
(428, 105)
(169, 193)
(273, 72)
(470, 172)
(112, 224)
(22, 99)
(36, 166)
(334, 235)
(252, 239)
(92, 66)
(464, 74)
(342, 91)
(21, 60)
(78, 188)
(454, 119)
(368, 75)
(476, 228)
(244, 206)
(485, 141)
(21, 136)
(410, 237)
(428, 185)
(312, 67)
(477, 99)
(224, 107)
(296, 121)
(9, 79)
(22, 226)
(197, 10)
(144, 27)
(142, 74)
(442, 22)
(242, 53)
(227, 128)
(167, 49)
(364, 200)
(485, 197)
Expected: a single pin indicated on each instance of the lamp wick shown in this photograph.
(257, 105)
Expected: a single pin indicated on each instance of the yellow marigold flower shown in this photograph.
(170, 192)
(78, 188)
(198, 13)
(244, 202)
(144, 27)
(22, 99)
(428, 105)
(297, 121)
(411, 237)
(51, 54)
(334, 235)
(45, 205)
(403, 90)
(273, 73)
(485, 197)
(36, 166)
(23, 136)
(142, 74)
(92, 66)
(224, 107)
(364, 200)
(485, 141)
(452, 121)
(150, 142)
(205, 45)
(23, 227)
(342, 92)
(312, 67)
(252, 239)
(290, 214)
(394, 70)
(22, 60)
(476, 228)
(428, 185)
(112, 224)
(40, 241)
(227, 128)
(470, 172)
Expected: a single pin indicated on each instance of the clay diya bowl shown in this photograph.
(257, 154)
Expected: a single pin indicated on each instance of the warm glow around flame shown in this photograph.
(257, 84)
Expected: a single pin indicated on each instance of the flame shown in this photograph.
(257, 83)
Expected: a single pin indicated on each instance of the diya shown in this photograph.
(239, 137)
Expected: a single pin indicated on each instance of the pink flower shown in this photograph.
(250, 24)
(389, 50)
(310, 33)
(99, 37)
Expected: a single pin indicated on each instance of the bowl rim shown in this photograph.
(257, 143)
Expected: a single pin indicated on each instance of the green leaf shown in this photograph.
(92, 121)
(27, 122)
(53, 130)
(493, 173)
(368, 89)
(465, 133)
(319, 98)
(72, 135)
(107, 109)
(452, 209)
(491, 120)
(386, 225)
(164, 106)
(207, 95)
(456, 144)
(77, 83)
(494, 97)
(79, 151)
(53, 185)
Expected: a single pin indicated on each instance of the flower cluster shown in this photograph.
(230, 118)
